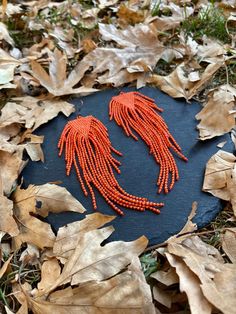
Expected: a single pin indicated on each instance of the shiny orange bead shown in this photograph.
(87, 147)
(136, 112)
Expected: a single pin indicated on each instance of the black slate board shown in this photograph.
(138, 170)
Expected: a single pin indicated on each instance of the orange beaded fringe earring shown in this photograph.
(87, 147)
(135, 111)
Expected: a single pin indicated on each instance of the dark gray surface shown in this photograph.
(138, 170)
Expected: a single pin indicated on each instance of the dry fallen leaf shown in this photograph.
(88, 45)
(190, 284)
(109, 278)
(3, 269)
(178, 85)
(9, 8)
(50, 272)
(221, 291)
(30, 255)
(196, 245)
(7, 73)
(20, 293)
(168, 277)
(188, 228)
(218, 115)
(7, 222)
(50, 198)
(32, 230)
(106, 3)
(33, 112)
(217, 278)
(57, 82)
(220, 177)
(64, 39)
(9, 138)
(91, 261)
(11, 165)
(126, 293)
(4, 34)
(140, 53)
(229, 243)
(33, 146)
(210, 49)
(178, 14)
(128, 16)
(67, 236)
(163, 297)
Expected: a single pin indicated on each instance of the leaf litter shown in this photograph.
(51, 50)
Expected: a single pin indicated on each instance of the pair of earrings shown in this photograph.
(88, 148)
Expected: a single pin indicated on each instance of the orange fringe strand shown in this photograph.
(135, 111)
(86, 142)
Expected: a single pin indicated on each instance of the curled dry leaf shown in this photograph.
(106, 3)
(20, 292)
(126, 293)
(4, 34)
(140, 51)
(32, 230)
(10, 9)
(217, 278)
(30, 255)
(210, 49)
(52, 198)
(196, 245)
(10, 137)
(64, 39)
(190, 284)
(109, 278)
(163, 297)
(57, 82)
(168, 277)
(91, 261)
(88, 45)
(33, 146)
(90, 18)
(143, 40)
(67, 236)
(188, 228)
(7, 222)
(229, 243)
(7, 67)
(178, 85)
(3, 269)
(221, 291)
(128, 16)
(11, 165)
(178, 14)
(11, 142)
(33, 112)
(50, 272)
(218, 115)
(220, 177)
(7, 73)
(121, 293)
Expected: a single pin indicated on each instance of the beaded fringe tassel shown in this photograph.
(135, 111)
(87, 147)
